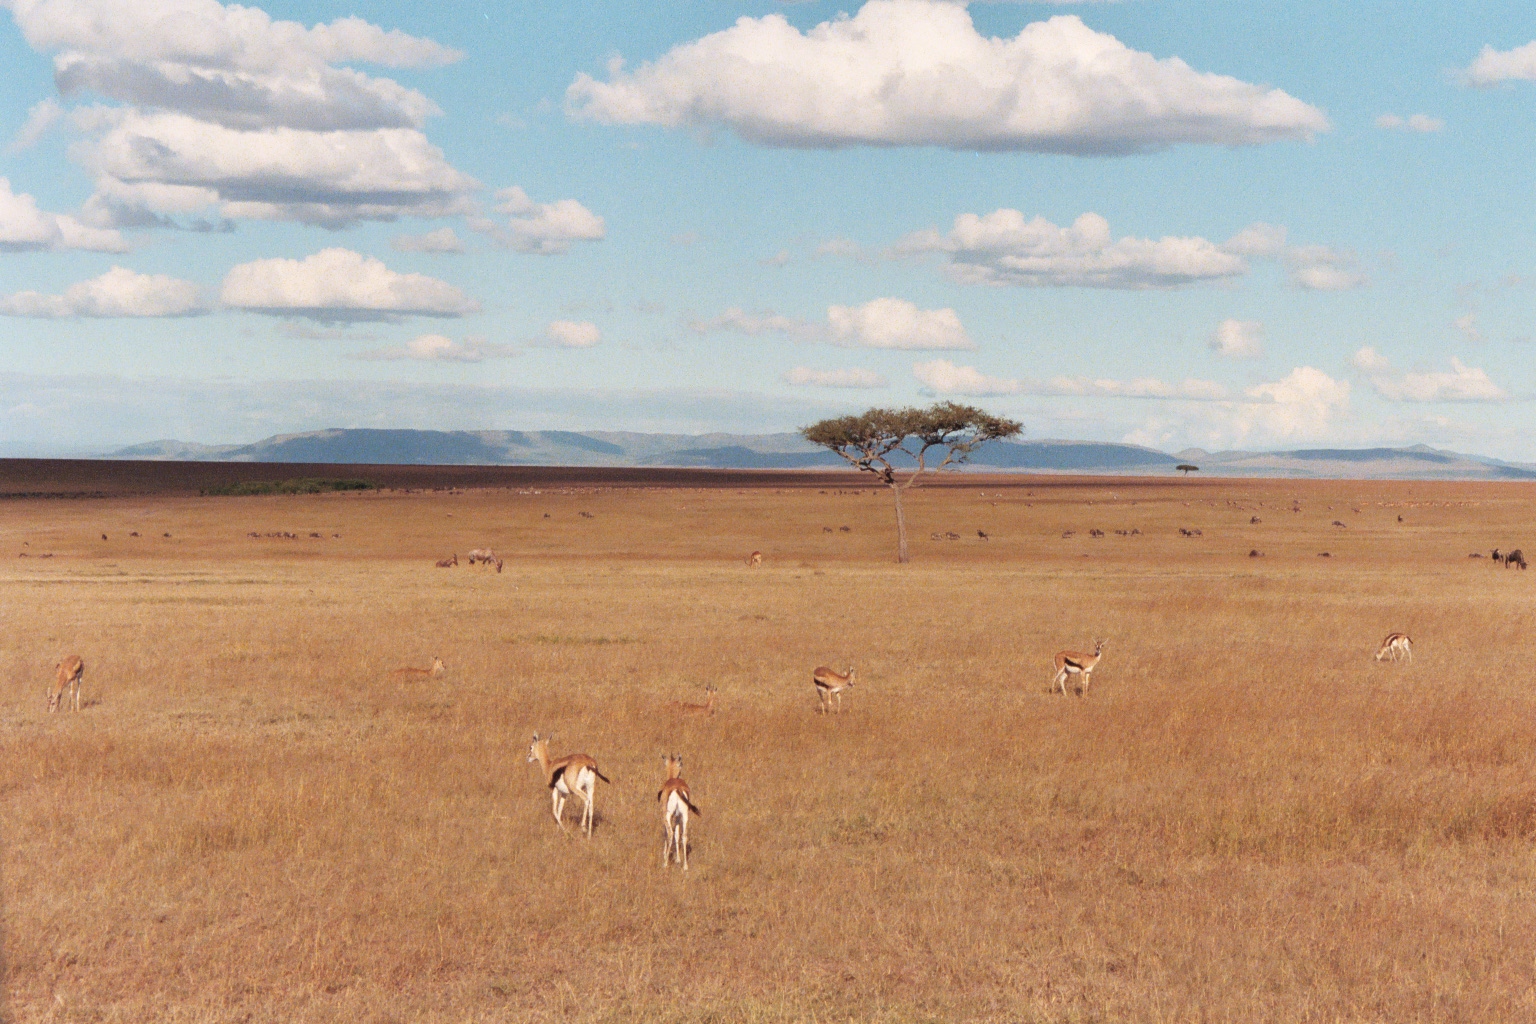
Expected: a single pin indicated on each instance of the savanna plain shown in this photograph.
(1245, 817)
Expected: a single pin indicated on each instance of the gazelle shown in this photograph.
(68, 673)
(437, 669)
(676, 804)
(1396, 645)
(831, 684)
(449, 563)
(573, 773)
(1076, 663)
(755, 559)
(707, 708)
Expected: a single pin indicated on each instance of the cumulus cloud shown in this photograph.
(439, 348)
(1421, 123)
(336, 285)
(804, 376)
(25, 228)
(117, 293)
(39, 119)
(1239, 339)
(545, 229)
(943, 377)
(227, 109)
(1259, 240)
(1321, 268)
(1494, 66)
(443, 240)
(898, 324)
(572, 334)
(1461, 383)
(880, 323)
(1304, 405)
(1002, 247)
(913, 73)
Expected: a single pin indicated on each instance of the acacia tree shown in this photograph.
(871, 439)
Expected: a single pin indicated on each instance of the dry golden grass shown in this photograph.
(1247, 818)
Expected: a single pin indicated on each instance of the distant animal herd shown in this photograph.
(576, 774)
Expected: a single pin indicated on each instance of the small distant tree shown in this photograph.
(869, 440)
(1187, 469)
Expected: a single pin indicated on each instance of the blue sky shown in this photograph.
(1247, 225)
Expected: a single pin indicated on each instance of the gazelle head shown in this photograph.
(438, 668)
(674, 765)
(539, 749)
(849, 683)
(1098, 647)
(53, 700)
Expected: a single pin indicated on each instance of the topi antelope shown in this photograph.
(1396, 645)
(676, 804)
(437, 669)
(573, 773)
(485, 555)
(831, 684)
(1076, 663)
(711, 692)
(67, 677)
(755, 559)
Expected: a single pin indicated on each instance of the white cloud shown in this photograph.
(439, 348)
(227, 108)
(1239, 339)
(1258, 240)
(545, 229)
(880, 323)
(1306, 405)
(804, 376)
(39, 119)
(1494, 66)
(572, 334)
(1003, 248)
(25, 228)
(117, 293)
(1320, 268)
(909, 72)
(1421, 123)
(173, 163)
(443, 240)
(337, 285)
(740, 321)
(945, 378)
(1461, 384)
(896, 324)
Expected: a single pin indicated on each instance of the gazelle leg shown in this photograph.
(556, 806)
(684, 841)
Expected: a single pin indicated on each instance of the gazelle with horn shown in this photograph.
(68, 675)
(573, 773)
(677, 804)
(711, 692)
(1395, 646)
(829, 684)
(1076, 663)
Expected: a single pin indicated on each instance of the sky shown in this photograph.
(1221, 225)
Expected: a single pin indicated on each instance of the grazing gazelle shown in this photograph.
(573, 773)
(755, 559)
(831, 684)
(707, 708)
(437, 669)
(1396, 645)
(676, 804)
(68, 673)
(1076, 663)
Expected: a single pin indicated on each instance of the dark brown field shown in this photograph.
(255, 818)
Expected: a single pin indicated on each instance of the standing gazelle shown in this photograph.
(67, 673)
(1396, 645)
(573, 773)
(1076, 663)
(676, 804)
(831, 684)
(754, 560)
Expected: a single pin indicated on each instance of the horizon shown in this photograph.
(1264, 228)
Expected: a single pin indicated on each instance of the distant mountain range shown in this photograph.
(791, 451)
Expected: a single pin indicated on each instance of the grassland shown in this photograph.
(1247, 818)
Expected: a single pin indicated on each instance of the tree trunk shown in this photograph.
(901, 526)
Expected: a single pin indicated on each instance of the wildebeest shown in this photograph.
(1515, 557)
(1497, 556)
